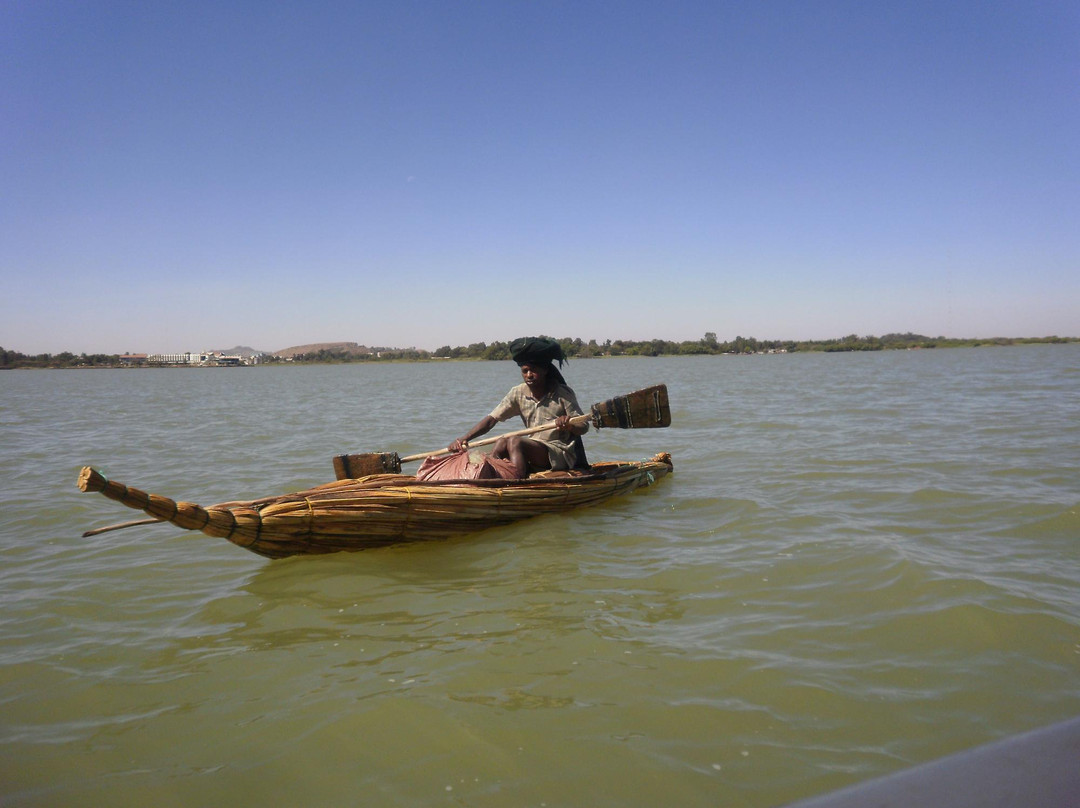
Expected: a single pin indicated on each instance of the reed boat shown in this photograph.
(378, 510)
(372, 504)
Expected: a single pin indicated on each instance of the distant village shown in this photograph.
(241, 356)
(197, 358)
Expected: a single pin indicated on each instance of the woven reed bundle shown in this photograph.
(383, 509)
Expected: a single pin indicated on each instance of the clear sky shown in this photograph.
(195, 175)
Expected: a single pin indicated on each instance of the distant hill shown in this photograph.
(338, 347)
(241, 350)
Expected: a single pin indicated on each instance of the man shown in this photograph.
(542, 397)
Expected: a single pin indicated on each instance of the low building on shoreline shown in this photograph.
(189, 359)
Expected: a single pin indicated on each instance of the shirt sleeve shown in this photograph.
(508, 407)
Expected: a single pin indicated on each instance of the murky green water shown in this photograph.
(861, 562)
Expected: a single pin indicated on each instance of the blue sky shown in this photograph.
(194, 175)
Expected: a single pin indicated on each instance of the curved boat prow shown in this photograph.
(240, 525)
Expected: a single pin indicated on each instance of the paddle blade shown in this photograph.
(351, 466)
(646, 408)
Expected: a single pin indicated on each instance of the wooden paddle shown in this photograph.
(647, 408)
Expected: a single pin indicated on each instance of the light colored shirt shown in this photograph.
(561, 400)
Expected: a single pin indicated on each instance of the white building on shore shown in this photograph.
(197, 358)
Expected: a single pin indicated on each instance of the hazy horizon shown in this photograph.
(241, 347)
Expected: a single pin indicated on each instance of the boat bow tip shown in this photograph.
(91, 480)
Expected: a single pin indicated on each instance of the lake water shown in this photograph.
(861, 562)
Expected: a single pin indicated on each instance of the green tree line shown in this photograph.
(709, 344)
(65, 359)
(575, 348)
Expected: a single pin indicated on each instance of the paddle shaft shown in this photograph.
(577, 420)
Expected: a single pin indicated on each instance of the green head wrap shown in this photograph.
(536, 350)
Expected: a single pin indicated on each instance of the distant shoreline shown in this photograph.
(575, 349)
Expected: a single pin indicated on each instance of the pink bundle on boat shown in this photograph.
(466, 466)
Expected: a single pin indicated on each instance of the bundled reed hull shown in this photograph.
(383, 509)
